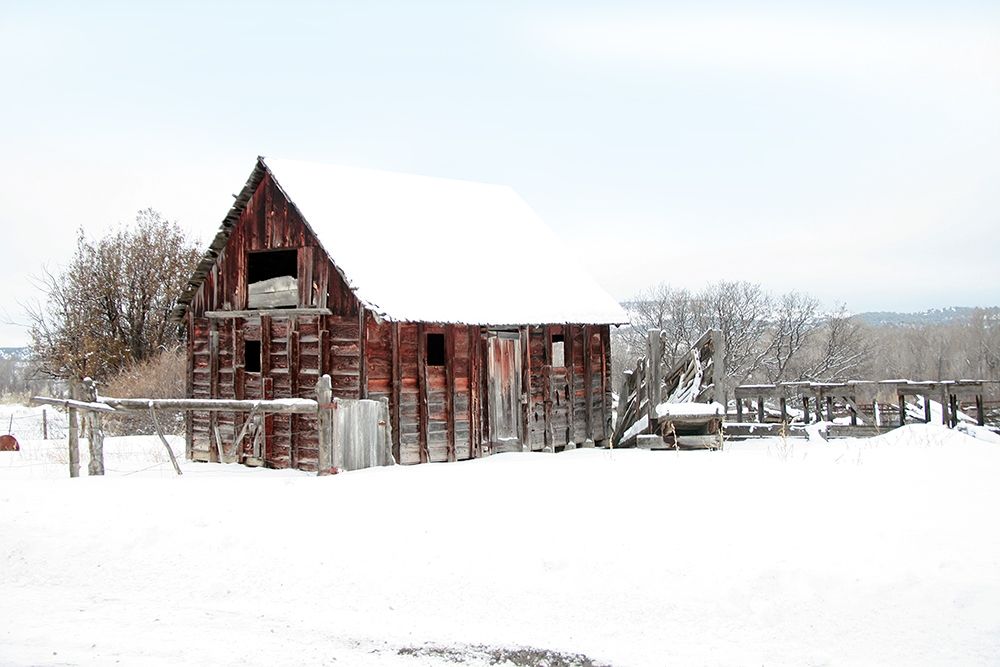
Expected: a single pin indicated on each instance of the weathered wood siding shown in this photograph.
(295, 349)
(269, 222)
(438, 413)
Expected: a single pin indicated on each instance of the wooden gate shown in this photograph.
(503, 363)
(353, 434)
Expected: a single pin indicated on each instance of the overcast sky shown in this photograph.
(849, 150)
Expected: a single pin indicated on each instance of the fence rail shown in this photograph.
(352, 433)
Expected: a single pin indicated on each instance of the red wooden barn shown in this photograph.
(450, 298)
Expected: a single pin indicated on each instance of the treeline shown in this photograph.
(790, 337)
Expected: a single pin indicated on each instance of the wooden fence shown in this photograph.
(869, 405)
(353, 434)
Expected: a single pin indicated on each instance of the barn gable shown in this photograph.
(414, 248)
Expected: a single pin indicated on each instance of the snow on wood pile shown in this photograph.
(459, 251)
(879, 551)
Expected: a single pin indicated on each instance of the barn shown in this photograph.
(451, 299)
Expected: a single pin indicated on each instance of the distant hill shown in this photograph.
(932, 316)
(15, 353)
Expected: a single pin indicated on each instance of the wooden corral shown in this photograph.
(268, 312)
(870, 406)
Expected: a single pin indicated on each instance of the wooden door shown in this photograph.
(503, 367)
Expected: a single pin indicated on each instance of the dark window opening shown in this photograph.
(251, 356)
(435, 349)
(272, 264)
(558, 351)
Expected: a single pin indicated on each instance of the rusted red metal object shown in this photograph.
(8, 443)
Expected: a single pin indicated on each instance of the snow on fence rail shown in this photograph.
(352, 434)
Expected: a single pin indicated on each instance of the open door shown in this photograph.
(503, 365)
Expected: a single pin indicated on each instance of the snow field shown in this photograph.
(883, 551)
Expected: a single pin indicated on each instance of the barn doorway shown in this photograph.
(503, 364)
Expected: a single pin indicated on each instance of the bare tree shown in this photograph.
(741, 311)
(110, 307)
(793, 322)
(843, 349)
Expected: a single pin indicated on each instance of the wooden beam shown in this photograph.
(213, 382)
(397, 381)
(265, 351)
(268, 312)
(588, 386)
(189, 385)
(324, 395)
(362, 356)
(95, 406)
(74, 436)
(547, 398)
(166, 445)
(449, 388)
(422, 392)
(605, 333)
(654, 355)
(525, 334)
(302, 406)
(571, 378)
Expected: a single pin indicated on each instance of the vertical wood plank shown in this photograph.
(449, 388)
(654, 353)
(188, 391)
(568, 354)
(362, 354)
(525, 389)
(324, 396)
(324, 347)
(396, 389)
(605, 332)
(422, 392)
(588, 385)
(267, 392)
(473, 392)
(547, 390)
(265, 347)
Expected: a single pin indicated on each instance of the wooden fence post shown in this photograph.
(324, 397)
(45, 424)
(654, 355)
(96, 430)
(74, 436)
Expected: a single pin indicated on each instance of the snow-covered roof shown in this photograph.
(416, 248)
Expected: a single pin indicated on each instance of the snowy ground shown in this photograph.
(885, 551)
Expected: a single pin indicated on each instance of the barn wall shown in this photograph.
(438, 413)
(295, 348)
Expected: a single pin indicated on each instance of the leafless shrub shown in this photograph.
(161, 376)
